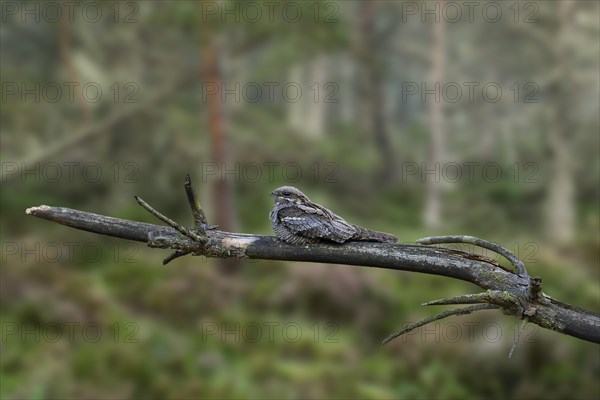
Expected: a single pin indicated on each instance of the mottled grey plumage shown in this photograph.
(297, 220)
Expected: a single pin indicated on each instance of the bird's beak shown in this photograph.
(272, 194)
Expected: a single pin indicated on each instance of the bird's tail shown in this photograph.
(363, 234)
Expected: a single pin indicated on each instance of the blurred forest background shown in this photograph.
(416, 118)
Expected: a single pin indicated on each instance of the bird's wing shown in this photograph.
(314, 223)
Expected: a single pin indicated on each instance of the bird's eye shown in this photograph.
(286, 194)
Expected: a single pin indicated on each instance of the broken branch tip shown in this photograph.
(33, 210)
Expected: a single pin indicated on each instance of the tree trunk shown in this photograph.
(372, 90)
(561, 194)
(315, 96)
(295, 110)
(433, 203)
(221, 187)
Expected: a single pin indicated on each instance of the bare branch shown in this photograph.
(516, 294)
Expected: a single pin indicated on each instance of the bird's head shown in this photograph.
(288, 194)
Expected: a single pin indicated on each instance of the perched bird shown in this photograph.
(297, 220)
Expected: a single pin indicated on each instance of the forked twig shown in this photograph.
(486, 300)
(180, 228)
(200, 224)
(445, 314)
